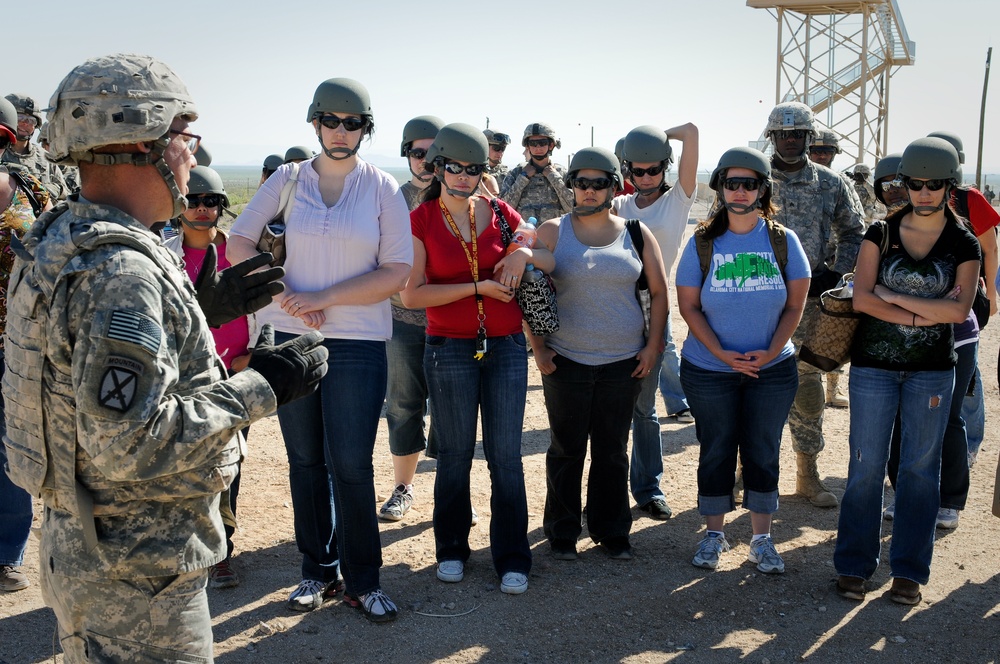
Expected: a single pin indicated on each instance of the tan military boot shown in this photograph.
(833, 396)
(808, 484)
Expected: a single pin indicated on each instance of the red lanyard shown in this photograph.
(473, 257)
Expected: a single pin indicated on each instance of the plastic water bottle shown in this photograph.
(524, 236)
(531, 275)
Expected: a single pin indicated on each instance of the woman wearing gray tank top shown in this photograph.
(593, 365)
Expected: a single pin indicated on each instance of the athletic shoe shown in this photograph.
(618, 548)
(12, 579)
(890, 511)
(658, 509)
(763, 553)
(947, 519)
(222, 575)
(399, 504)
(709, 550)
(451, 571)
(684, 416)
(514, 583)
(563, 549)
(376, 606)
(308, 596)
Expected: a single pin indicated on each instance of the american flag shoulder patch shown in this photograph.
(135, 328)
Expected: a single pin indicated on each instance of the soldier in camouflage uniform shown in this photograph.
(498, 145)
(30, 156)
(822, 209)
(70, 173)
(120, 416)
(537, 188)
(860, 176)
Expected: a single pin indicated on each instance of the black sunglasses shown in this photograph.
(822, 149)
(416, 153)
(733, 184)
(932, 185)
(456, 168)
(539, 142)
(208, 200)
(351, 123)
(652, 170)
(499, 147)
(785, 134)
(583, 184)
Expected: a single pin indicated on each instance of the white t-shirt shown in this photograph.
(666, 218)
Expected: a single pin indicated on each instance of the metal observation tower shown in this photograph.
(838, 58)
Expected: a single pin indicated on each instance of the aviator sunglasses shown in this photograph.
(748, 184)
(416, 153)
(456, 168)
(352, 123)
(583, 184)
(652, 170)
(917, 185)
(208, 200)
(538, 142)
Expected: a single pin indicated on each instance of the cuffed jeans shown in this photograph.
(330, 438)
(15, 504)
(406, 395)
(735, 413)
(923, 399)
(592, 402)
(462, 388)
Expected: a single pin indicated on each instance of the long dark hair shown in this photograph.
(718, 220)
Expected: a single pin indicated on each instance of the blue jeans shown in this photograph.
(406, 395)
(15, 504)
(592, 402)
(923, 399)
(670, 374)
(462, 388)
(330, 438)
(974, 412)
(734, 413)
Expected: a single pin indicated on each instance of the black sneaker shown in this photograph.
(618, 548)
(564, 549)
(658, 509)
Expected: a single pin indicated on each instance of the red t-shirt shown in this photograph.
(982, 215)
(447, 263)
(233, 338)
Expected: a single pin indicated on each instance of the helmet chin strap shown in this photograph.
(180, 201)
(425, 178)
(741, 208)
(587, 210)
(439, 174)
(928, 210)
(338, 154)
(199, 225)
(650, 190)
(791, 162)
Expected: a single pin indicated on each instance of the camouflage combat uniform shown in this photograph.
(544, 196)
(824, 211)
(35, 163)
(500, 172)
(873, 208)
(121, 420)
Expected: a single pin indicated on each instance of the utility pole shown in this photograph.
(982, 122)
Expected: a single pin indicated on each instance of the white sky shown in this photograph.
(252, 67)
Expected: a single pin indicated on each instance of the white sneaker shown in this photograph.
(890, 511)
(514, 583)
(947, 518)
(451, 571)
(308, 596)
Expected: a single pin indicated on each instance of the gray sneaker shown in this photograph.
(12, 579)
(763, 553)
(709, 550)
(398, 505)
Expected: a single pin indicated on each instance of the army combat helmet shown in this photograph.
(600, 159)
(341, 95)
(420, 127)
(298, 153)
(205, 180)
(541, 129)
(119, 99)
(930, 159)
(956, 142)
(8, 121)
(25, 104)
(648, 144)
(458, 142)
(886, 166)
(791, 116)
(742, 157)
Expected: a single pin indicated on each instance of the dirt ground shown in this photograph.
(655, 608)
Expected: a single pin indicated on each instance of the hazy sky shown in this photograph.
(253, 66)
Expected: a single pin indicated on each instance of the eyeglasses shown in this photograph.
(539, 142)
(785, 134)
(456, 168)
(917, 185)
(352, 123)
(822, 149)
(499, 147)
(27, 119)
(208, 200)
(748, 184)
(416, 153)
(652, 170)
(192, 142)
(583, 184)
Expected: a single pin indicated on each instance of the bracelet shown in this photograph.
(914, 321)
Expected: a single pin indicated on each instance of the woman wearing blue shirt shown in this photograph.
(738, 363)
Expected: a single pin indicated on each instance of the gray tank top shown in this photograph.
(599, 317)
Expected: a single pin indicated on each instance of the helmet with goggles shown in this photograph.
(540, 129)
(496, 138)
(424, 126)
(25, 104)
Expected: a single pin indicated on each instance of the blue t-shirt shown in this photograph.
(743, 295)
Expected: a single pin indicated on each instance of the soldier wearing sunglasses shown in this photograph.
(498, 143)
(536, 188)
(826, 215)
(29, 156)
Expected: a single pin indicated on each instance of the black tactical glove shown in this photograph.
(293, 369)
(823, 282)
(234, 292)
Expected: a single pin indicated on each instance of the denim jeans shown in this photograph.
(15, 505)
(592, 402)
(734, 413)
(923, 399)
(406, 395)
(670, 374)
(974, 412)
(463, 389)
(330, 438)
(955, 445)
(646, 468)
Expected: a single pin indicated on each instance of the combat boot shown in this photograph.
(808, 484)
(833, 396)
